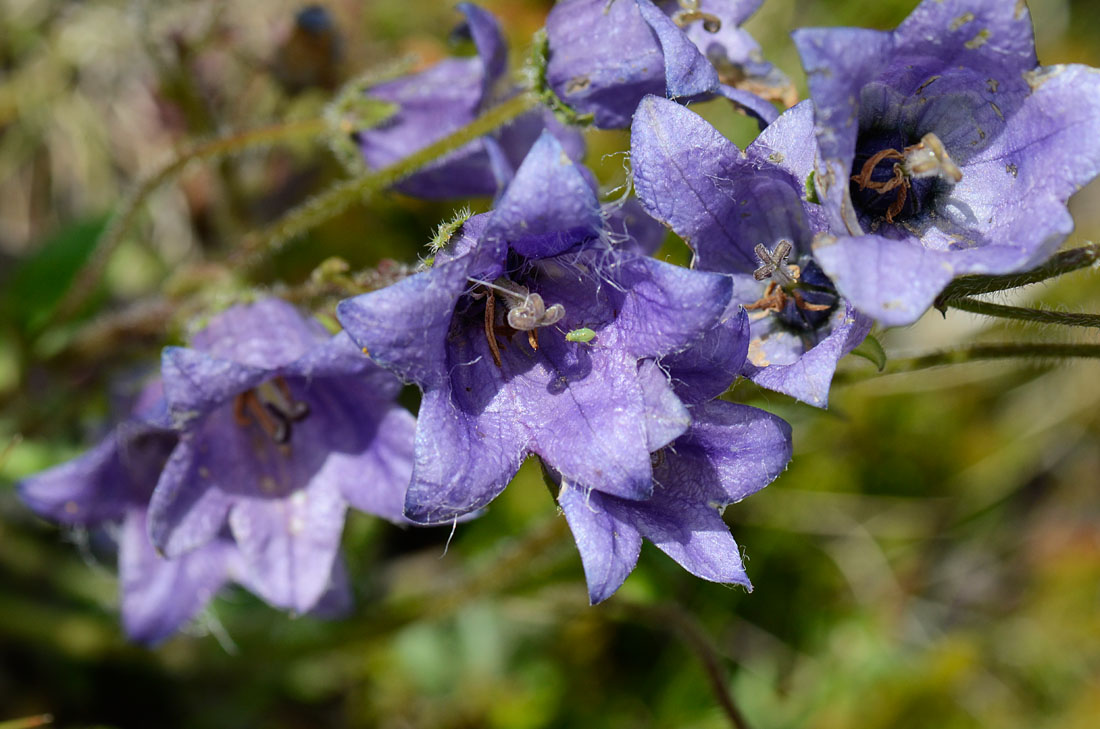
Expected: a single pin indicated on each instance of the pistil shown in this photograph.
(784, 281)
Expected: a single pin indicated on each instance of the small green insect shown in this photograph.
(583, 335)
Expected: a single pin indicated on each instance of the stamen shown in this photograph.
(533, 339)
(684, 18)
(248, 409)
(490, 329)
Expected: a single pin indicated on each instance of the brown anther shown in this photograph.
(533, 338)
(490, 329)
(273, 424)
(898, 204)
(863, 179)
(773, 300)
(807, 306)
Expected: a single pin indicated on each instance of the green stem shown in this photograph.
(1060, 263)
(28, 722)
(339, 197)
(121, 222)
(1040, 316)
(674, 617)
(1037, 350)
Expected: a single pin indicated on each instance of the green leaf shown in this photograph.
(872, 350)
(39, 281)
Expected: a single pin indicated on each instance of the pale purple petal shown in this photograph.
(549, 206)
(892, 281)
(185, 511)
(375, 480)
(667, 308)
(289, 543)
(266, 334)
(687, 71)
(158, 595)
(403, 327)
(609, 547)
(708, 368)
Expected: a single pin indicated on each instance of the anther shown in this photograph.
(272, 406)
(689, 15)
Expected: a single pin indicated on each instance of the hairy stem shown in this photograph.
(339, 197)
(672, 616)
(1041, 316)
(124, 218)
(1060, 263)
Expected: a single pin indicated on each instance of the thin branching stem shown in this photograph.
(1044, 352)
(124, 218)
(1057, 265)
(1019, 313)
(672, 616)
(338, 198)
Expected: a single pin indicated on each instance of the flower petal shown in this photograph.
(667, 308)
(158, 595)
(185, 511)
(196, 382)
(893, 281)
(708, 368)
(289, 543)
(687, 71)
(809, 376)
(549, 206)
(404, 326)
(609, 547)
(266, 334)
(376, 479)
(463, 459)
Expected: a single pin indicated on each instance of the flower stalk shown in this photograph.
(339, 197)
(1019, 313)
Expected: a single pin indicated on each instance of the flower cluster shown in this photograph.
(545, 327)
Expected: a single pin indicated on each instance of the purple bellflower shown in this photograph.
(281, 428)
(111, 484)
(438, 101)
(945, 150)
(529, 334)
(605, 55)
(745, 214)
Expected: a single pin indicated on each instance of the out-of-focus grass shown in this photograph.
(931, 558)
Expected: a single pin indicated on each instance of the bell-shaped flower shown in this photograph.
(945, 150)
(439, 100)
(729, 452)
(528, 335)
(108, 488)
(281, 428)
(746, 214)
(605, 55)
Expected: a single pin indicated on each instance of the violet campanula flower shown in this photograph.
(485, 332)
(945, 149)
(438, 101)
(111, 484)
(605, 55)
(281, 428)
(745, 214)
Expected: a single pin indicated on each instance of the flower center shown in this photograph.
(689, 13)
(523, 312)
(272, 407)
(924, 160)
(800, 296)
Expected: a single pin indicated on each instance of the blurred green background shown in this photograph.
(931, 558)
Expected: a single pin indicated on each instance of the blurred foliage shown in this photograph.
(931, 558)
